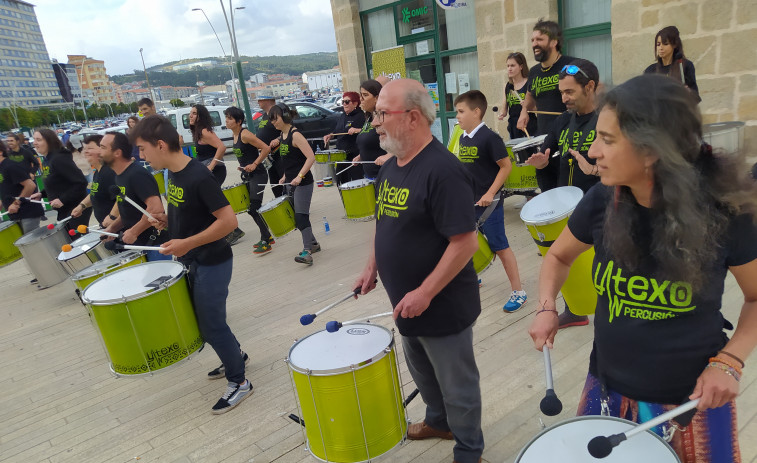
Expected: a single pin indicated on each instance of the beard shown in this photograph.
(391, 145)
(541, 54)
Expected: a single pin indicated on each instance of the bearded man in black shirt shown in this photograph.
(425, 238)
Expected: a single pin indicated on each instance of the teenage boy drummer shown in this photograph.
(483, 153)
(199, 219)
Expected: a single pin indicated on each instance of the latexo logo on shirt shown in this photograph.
(636, 296)
(93, 188)
(175, 195)
(284, 149)
(544, 84)
(468, 154)
(512, 100)
(573, 144)
(1, 178)
(120, 197)
(391, 200)
(237, 152)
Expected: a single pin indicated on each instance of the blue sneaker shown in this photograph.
(516, 301)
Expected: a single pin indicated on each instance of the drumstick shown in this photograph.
(344, 170)
(550, 405)
(526, 131)
(114, 190)
(50, 226)
(601, 446)
(354, 162)
(112, 246)
(308, 318)
(85, 229)
(548, 113)
(333, 326)
(25, 199)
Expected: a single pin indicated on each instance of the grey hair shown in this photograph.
(418, 98)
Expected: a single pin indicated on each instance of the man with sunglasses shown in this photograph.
(543, 93)
(349, 124)
(569, 139)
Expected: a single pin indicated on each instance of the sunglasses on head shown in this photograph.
(572, 70)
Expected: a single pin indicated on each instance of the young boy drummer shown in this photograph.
(483, 153)
(199, 219)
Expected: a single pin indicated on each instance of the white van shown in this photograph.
(180, 119)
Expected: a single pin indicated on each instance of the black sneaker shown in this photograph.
(234, 236)
(234, 395)
(220, 372)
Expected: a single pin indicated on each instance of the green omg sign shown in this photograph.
(407, 13)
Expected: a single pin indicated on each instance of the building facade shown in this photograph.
(452, 46)
(26, 77)
(325, 79)
(93, 78)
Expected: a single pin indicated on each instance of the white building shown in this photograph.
(259, 79)
(328, 78)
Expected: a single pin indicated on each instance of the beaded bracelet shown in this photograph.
(726, 362)
(733, 357)
(546, 310)
(728, 370)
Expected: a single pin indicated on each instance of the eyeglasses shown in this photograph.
(379, 115)
(346, 101)
(572, 70)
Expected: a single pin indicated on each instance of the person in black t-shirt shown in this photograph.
(543, 93)
(65, 185)
(425, 238)
(200, 218)
(16, 183)
(671, 61)
(140, 186)
(251, 152)
(100, 198)
(569, 139)
(350, 123)
(368, 140)
(670, 219)
(20, 153)
(297, 158)
(484, 155)
(515, 93)
(270, 136)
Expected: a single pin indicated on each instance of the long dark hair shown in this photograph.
(203, 122)
(670, 36)
(54, 144)
(519, 58)
(695, 190)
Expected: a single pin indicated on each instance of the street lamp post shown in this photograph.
(231, 67)
(152, 97)
(83, 104)
(232, 34)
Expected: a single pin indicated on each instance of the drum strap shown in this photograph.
(490, 208)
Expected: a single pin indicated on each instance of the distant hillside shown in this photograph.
(292, 64)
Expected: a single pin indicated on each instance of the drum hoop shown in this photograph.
(7, 224)
(364, 183)
(537, 140)
(341, 370)
(39, 235)
(81, 253)
(89, 272)
(590, 417)
(550, 220)
(236, 185)
(167, 284)
(272, 204)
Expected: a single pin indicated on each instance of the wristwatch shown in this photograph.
(301, 176)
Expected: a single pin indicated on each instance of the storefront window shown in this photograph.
(424, 47)
(415, 16)
(585, 12)
(586, 29)
(378, 28)
(457, 27)
(597, 50)
(460, 75)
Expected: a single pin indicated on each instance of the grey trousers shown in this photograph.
(31, 224)
(445, 372)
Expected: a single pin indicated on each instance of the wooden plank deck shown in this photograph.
(59, 403)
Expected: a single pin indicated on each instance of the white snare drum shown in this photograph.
(527, 147)
(567, 442)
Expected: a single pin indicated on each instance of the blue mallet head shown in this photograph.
(307, 319)
(333, 326)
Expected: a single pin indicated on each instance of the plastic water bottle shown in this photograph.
(326, 226)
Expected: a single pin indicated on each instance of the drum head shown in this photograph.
(551, 206)
(132, 282)
(355, 184)
(39, 234)
(516, 141)
(567, 442)
(529, 142)
(272, 203)
(104, 265)
(80, 246)
(332, 353)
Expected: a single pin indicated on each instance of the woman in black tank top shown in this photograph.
(297, 158)
(210, 149)
(251, 152)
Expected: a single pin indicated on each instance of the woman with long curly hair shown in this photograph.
(670, 60)
(210, 149)
(669, 220)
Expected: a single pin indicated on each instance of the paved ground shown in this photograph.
(60, 403)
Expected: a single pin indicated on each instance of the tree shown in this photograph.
(177, 103)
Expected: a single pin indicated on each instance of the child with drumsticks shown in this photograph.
(483, 153)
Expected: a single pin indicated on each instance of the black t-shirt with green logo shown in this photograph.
(418, 207)
(653, 336)
(514, 108)
(293, 159)
(11, 176)
(100, 194)
(193, 196)
(569, 132)
(26, 157)
(138, 184)
(246, 154)
(369, 148)
(480, 155)
(543, 86)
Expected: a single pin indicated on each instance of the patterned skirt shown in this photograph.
(711, 437)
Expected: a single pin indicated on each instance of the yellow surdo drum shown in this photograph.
(10, 232)
(359, 198)
(83, 278)
(239, 197)
(545, 217)
(145, 317)
(484, 256)
(348, 392)
(522, 177)
(278, 215)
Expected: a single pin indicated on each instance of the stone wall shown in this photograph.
(349, 43)
(719, 37)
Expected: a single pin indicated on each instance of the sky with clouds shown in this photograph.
(168, 30)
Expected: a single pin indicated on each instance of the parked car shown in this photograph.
(333, 102)
(180, 119)
(314, 121)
